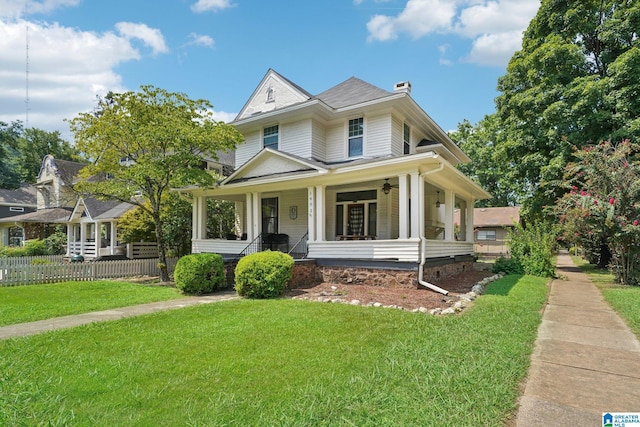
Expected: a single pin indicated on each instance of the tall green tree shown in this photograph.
(574, 83)
(34, 144)
(490, 167)
(9, 135)
(146, 143)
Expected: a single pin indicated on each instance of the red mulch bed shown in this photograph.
(408, 299)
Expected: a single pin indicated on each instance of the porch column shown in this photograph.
(449, 202)
(83, 236)
(70, 238)
(470, 233)
(403, 191)
(199, 218)
(112, 242)
(311, 217)
(320, 217)
(417, 205)
(249, 218)
(255, 214)
(239, 218)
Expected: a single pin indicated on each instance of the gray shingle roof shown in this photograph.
(52, 215)
(22, 196)
(351, 92)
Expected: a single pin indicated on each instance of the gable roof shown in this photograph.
(100, 209)
(352, 91)
(24, 196)
(270, 163)
(65, 169)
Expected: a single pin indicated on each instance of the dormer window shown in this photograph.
(356, 132)
(407, 139)
(270, 137)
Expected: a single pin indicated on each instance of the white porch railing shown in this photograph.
(218, 246)
(407, 250)
(136, 250)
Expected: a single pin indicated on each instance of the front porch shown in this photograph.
(402, 218)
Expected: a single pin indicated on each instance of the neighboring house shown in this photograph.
(55, 198)
(14, 203)
(491, 229)
(355, 176)
(90, 224)
(92, 229)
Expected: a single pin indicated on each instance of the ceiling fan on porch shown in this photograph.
(386, 187)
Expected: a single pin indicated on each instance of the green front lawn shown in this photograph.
(280, 362)
(623, 299)
(20, 304)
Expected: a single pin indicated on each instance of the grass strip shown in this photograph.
(19, 304)
(280, 362)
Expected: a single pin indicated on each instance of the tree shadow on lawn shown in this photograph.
(503, 286)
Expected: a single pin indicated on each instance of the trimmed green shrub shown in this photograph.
(263, 274)
(199, 274)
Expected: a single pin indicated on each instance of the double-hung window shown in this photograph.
(356, 133)
(270, 137)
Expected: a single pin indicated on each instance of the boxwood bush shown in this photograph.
(199, 274)
(263, 274)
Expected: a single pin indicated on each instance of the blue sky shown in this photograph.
(452, 51)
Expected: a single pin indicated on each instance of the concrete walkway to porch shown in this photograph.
(33, 328)
(586, 360)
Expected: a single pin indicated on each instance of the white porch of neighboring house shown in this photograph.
(93, 233)
(343, 212)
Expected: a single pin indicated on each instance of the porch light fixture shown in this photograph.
(438, 201)
(386, 187)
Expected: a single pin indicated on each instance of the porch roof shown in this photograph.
(300, 173)
(47, 216)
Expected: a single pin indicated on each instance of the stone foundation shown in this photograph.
(308, 273)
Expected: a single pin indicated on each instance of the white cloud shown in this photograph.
(223, 116)
(495, 26)
(16, 8)
(495, 49)
(211, 5)
(68, 68)
(201, 40)
(151, 37)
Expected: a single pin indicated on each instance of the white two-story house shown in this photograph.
(355, 176)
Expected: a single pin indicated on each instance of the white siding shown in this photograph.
(318, 141)
(378, 136)
(251, 146)
(295, 228)
(336, 145)
(397, 136)
(295, 138)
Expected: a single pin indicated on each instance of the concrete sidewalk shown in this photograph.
(33, 328)
(586, 360)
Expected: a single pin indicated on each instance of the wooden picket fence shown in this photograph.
(60, 272)
(17, 261)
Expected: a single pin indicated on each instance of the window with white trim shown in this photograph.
(486, 235)
(356, 134)
(270, 137)
(15, 209)
(407, 139)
